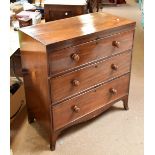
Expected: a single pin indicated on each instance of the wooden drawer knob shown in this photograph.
(75, 57)
(114, 67)
(76, 109)
(76, 83)
(113, 91)
(116, 44)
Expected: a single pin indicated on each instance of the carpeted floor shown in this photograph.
(115, 132)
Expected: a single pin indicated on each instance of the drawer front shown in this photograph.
(69, 58)
(55, 12)
(84, 78)
(77, 107)
(55, 15)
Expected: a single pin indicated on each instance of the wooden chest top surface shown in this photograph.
(75, 27)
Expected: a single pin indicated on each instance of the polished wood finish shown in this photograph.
(35, 76)
(55, 12)
(80, 29)
(88, 102)
(15, 64)
(81, 54)
(73, 75)
(88, 76)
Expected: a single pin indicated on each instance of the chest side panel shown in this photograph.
(35, 69)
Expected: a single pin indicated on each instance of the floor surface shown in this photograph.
(115, 132)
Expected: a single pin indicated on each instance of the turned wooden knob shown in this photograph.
(75, 57)
(113, 91)
(76, 83)
(76, 109)
(114, 67)
(116, 44)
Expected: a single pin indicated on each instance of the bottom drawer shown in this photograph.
(73, 109)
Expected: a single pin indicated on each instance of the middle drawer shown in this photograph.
(74, 82)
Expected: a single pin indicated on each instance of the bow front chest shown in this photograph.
(75, 68)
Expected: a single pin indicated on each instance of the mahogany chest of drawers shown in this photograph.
(74, 74)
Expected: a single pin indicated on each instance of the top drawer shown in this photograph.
(73, 57)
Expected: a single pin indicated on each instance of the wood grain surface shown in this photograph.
(55, 12)
(75, 68)
(89, 76)
(88, 52)
(67, 29)
(65, 113)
